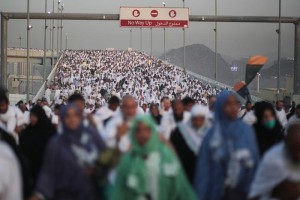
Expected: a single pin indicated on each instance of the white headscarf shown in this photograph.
(194, 137)
(274, 168)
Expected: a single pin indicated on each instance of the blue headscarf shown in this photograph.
(63, 113)
(83, 137)
(66, 158)
(220, 103)
(217, 166)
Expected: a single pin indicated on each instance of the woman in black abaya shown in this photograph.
(34, 140)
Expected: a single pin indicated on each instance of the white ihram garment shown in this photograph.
(273, 169)
(10, 181)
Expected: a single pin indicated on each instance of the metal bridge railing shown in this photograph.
(41, 91)
(214, 82)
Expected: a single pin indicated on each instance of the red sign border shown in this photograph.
(188, 22)
(163, 21)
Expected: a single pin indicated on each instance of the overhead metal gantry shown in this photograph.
(5, 16)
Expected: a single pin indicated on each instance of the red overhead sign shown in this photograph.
(154, 17)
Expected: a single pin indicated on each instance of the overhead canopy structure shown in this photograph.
(5, 16)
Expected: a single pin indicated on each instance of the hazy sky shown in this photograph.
(234, 39)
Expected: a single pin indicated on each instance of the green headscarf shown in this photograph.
(154, 141)
(132, 174)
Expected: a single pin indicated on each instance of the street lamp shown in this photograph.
(32, 73)
(61, 26)
(57, 34)
(141, 39)
(45, 43)
(67, 41)
(7, 79)
(29, 27)
(53, 27)
(184, 53)
(151, 42)
(52, 41)
(20, 38)
(258, 76)
(130, 38)
(164, 4)
(50, 32)
(279, 50)
(216, 41)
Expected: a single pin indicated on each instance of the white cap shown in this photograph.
(199, 110)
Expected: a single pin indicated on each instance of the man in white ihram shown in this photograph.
(281, 113)
(48, 94)
(10, 177)
(116, 132)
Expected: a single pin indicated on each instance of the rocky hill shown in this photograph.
(201, 59)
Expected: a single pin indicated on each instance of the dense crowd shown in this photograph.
(123, 125)
(100, 74)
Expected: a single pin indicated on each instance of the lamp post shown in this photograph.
(141, 39)
(27, 67)
(61, 26)
(66, 41)
(258, 76)
(130, 42)
(184, 53)
(164, 4)
(57, 30)
(32, 73)
(53, 27)
(151, 42)
(45, 44)
(279, 51)
(7, 79)
(20, 38)
(216, 41)
(50, 33)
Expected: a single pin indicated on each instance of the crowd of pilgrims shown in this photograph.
(180, 147)
(98, 74)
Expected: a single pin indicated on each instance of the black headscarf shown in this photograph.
(266, 138)
(34, 140)
(158, 117)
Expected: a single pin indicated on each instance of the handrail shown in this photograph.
(214, 82)
(41, 91)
